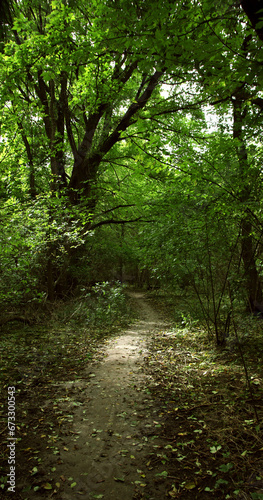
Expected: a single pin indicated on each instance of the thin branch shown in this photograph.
(115, 208)
(121, 221)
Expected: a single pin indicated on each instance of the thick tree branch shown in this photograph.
(252, 9)
(64, 102)
(115, 208)
(41, 91)
(144, 79)
(258, 101)
(195, 105)
(30, 161)
(90, 125)
(133, 109)
(85, 168)
(93, 120)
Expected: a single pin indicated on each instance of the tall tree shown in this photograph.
(88, 89)
(87, 73)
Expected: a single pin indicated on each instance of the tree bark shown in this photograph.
(50, 280)
(84, 174)
(32, 185)
(54, 127)
(252, 8)
(253, 284)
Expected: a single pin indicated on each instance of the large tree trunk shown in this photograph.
(82, 185)
(248, 248)
(253, 284)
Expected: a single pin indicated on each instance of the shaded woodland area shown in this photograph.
(131, 156)
(130, 150)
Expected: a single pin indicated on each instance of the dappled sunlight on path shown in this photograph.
(113, 414)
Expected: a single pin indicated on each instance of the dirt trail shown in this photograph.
(108, 444)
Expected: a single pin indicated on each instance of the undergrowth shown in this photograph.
(211, 423)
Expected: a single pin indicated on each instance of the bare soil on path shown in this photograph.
(107, 451)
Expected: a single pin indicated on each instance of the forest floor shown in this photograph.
(143, 414)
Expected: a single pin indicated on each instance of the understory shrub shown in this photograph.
(102, 305)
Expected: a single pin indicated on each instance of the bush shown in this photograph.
(100, 306)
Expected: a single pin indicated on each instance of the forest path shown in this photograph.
(113, 427)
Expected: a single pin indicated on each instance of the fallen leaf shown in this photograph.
(190, 485)
(162, 474)
(47, 486)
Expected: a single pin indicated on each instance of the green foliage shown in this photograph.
(204, 396)
(29, 229)
(107, 304)
(100, 308)
(145, 115)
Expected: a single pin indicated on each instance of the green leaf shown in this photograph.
(47, 486)
(190, 485)
(226, 467)
(162, 474)
(215, 449)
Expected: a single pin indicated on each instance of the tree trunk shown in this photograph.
(50, 280)
(252, 9)
(250, 269)
(253, 284)
(82, 185)
(32, 185)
